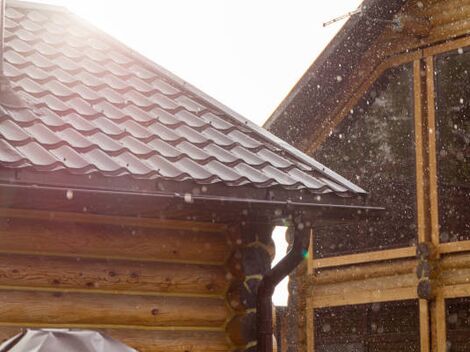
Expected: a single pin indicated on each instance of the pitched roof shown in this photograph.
(90, 105)
(318, 91)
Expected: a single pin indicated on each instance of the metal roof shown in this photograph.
(90, 105)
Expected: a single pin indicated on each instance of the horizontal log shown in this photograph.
(157, 341)
(364, 271)
(111, 275)
(455, 261)
(58, 308)
(110, 219)
(353, 287)
(111, 241)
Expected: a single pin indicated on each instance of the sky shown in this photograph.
(247, 54)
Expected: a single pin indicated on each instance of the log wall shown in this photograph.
(157, 287)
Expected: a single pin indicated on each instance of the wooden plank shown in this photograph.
(455, 261)
(111, 241)
(111, 220)
(453, 247)
(456, 291)
(424, 333)
(156, 341)
(432, 151)
(365, 257)
(419, 152)
(440, 324)
(365, 297)
(115, 276)
(358, 272)
(310, 326)
(447, 46)
(59, 309)
(371, 284)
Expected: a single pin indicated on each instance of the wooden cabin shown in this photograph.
(132, 203)
(387, 104)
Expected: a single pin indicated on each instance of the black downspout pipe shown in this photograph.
(264, 314)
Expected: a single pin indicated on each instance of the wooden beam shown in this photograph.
(424, 332)
(447, 46)
(440, 324)
(58, 308)
(310, 326)
(432, 151)
(353, 288)
(456, 291)
(111, 220)
(359, 272)
(111, 276)
(366, 257)
(111, 241)
(419, 145)
(454, 247)
(365, 297)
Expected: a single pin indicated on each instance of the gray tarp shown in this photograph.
(63, 340)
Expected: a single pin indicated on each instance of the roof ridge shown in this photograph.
(36, 6)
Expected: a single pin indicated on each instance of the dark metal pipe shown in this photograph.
(264, 314)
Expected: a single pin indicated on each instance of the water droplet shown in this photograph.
(188, 198)
(339, 78)
(69, 194)
(460, 50)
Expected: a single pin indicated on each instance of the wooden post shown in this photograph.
(424, 333)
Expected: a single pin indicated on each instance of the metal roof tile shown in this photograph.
(220, 153)
(43, 135)
(110, 95)
(79, 123)
(138, 114)
(37, 154)
(12, 132)
(218, 137)
(189, 104)
(190, 119)
(102, 161)
(8, 153)
(70, 157)
(82, 106)
(164, 167)
(163, 101)
(136, 146)
(243, 139)
(58, 89)
(14, 58)
(109, 110)
(215, 121)
(192, 151)
(163, 148)
(74, 139)
(95, 106)
(164, 87)
(104, 142)
(107, 126)
(36, 16)
(136, 129)
(30, 86)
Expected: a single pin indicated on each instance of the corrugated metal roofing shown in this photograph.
(94, 106)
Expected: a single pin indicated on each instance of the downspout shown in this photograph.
(264, 314)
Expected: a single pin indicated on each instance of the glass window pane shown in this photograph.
(453, 147)
(458, 324)
(376, 327)
(374, 146)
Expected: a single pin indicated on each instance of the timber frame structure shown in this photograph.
(432, 28)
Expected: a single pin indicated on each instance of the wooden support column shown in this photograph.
(424, 333)
(253, 251)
